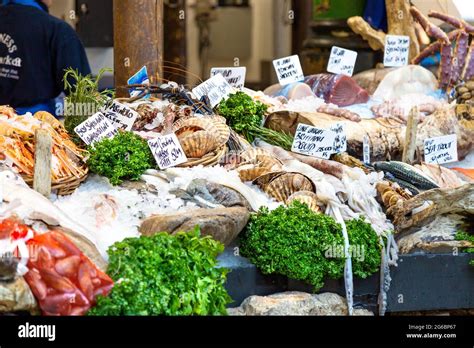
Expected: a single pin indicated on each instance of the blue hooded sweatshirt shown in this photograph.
(35, 49)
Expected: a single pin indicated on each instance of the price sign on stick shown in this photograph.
(216, 88)
(120, 115)
(95, 128)
(397, 50)
(441, 150)
(167, 151)
(314, 141)
(366, 149)
(342, 61)
(288, 70)
(234, 76)
(340, 144)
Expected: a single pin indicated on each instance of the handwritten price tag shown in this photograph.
(95, 128)
(397, 50)
(216, 88)
(167, 151)
(314, 141)
(120, 115)
(342, 61)
(288, 70)
(234, 76)
(441, 150)
(340, 143)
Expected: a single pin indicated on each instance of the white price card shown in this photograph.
(95, 128)
(340, 144)
(314, 141)
(288, 70)
(234, 76)
(167, 151)
(342, 61)
(216, 88)
(122, 116)
(397, 50)
(441, 150)
(366, 149)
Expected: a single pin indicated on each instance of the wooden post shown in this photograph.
(138, 40)
(410, 138)
(42, 172)
(175, 41)
(400, 22)
(303, 11)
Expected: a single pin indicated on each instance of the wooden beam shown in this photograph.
(138, 40)
(42, 170)
(303, 11)
(175, 41)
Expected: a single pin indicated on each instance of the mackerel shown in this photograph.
(407, 173)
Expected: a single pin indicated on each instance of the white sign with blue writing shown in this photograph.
(216, 89)
(234, 76)
(397, 50)
(167, 151)
(312, 141)
(342, 61)
(441, 150)
(288, 70)
(95, 128)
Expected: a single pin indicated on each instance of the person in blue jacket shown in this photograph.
(35, 49)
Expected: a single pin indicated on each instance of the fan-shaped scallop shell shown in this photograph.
(218, 129)
(250, 172)
(308, 197)
(284, 185)
(198, 144)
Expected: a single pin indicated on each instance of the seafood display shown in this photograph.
(17, 146)
(386, 135)
(245, 194)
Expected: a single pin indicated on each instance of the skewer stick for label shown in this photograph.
(410, 137)
(42, 173)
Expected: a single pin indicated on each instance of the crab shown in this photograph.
(457, 56)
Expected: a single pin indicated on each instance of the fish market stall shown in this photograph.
(337, 191)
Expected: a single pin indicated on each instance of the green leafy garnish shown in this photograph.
(83, 97)
(300, 244)
(461, 235)
(165, 275)
(246, 116)
(125, 156)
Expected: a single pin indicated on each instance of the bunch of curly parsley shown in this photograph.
(293, 241)
(165, 275)
(125, 156)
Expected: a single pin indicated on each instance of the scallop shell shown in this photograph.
(249, 172)
(198, 144)
(308, 197)
(284, 185)
(265, 179)
(211, 124)
(253, 153)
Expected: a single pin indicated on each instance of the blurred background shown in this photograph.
(202, 34)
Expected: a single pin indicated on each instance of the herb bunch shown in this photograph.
(293, 241)
(125, 156)
(83, 91)
(165, 275)
(246, 116)
(462, 235)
